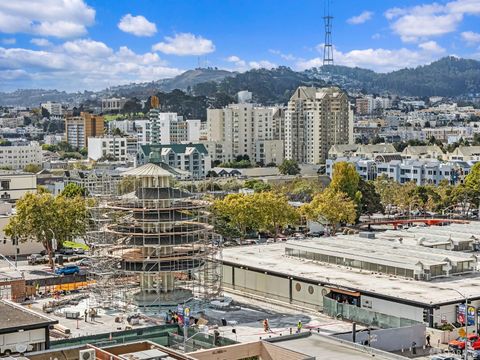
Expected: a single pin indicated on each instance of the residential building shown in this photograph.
(361, 151)
(53, 108)
(316, 119)
(465, 153)
(113, 104)
(244, 97)
(191, 158)
(96, 182)
(362, 106)
(246, 129)
(423, 152)
(107, 146)
(16, 157)
(13, 185)
(79, 128)
(426, 171)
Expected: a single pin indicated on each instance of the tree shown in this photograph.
(32, 168)
(52, 148)
(345, 179)
(371, 202)
(472, 182)
(45, 113)
(257, 185)
(72, 190)
(274, 210)
(43, 217)
(237, 210)
(386, 188)
(289, 167)
(331, 207)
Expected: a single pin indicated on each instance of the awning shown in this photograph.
(346, 292)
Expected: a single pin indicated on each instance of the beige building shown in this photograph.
(465, 153)
(14, 185)
(423, 152)
(79, 128)
(246, 129)
(361, 151)
(316, 119)
(16, 157)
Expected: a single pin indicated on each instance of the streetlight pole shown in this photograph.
(466, 322)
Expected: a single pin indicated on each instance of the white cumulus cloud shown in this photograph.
(137, 25)
(41, 42)
(421, 22)
(360, 19)
(79, 64)
(381, 60)
(185, 44)
(471, 37)
(58, 18)
(262, 64)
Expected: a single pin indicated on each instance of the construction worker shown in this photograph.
(266, 327)
(299, 326)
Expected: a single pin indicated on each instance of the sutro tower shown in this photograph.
(328, 47)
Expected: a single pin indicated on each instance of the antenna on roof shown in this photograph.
(327, 47)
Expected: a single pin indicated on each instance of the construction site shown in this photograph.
(152, 247)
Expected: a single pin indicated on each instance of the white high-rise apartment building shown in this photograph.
(316, 119)
(246, 129)
(166, 128)
(17, 157)
(53, 108)
(99, 147)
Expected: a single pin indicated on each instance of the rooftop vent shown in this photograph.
(366, 235)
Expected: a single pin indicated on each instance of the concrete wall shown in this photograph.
(7, 249)
(391, 339)
(274, 287)
(385, 307)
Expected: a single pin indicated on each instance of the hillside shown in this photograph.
(449, 77)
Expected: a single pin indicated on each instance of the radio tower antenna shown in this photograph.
(328, 47)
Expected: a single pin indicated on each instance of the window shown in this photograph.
(5, 184)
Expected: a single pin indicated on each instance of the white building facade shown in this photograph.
(246, 129)
(17, 157)
(100, 147)
(315, 120)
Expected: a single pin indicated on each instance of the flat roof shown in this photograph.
(16, 317)
(271, 258)
(379, 251)
(323, 347)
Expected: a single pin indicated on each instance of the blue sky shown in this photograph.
(92, 44)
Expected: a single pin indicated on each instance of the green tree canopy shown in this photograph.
(332, 208)
(32, 168)
(72, 190)
(289, 167)
(43, 217)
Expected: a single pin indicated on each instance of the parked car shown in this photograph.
(473, 354)
(67, 251)
(79, 251)
(84, 262)
(444, 357)
(34, 259)
(459, 343)
(68, 270)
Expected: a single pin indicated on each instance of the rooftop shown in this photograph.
(272, 258)
(16, 317)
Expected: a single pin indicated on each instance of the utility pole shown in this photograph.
(328, 46)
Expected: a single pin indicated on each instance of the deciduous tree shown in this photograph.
(331, 207)
(43, 217)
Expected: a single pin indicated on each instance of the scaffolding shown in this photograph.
(154, 246)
